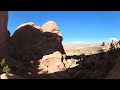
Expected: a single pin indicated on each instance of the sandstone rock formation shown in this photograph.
(3, 20)
(118, 44)
(37, 50)
(32, 50)
(4, 34)
(52, 27)
(103, 44)
(113, 44)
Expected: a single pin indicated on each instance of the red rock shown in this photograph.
(39, 50)
(52, 27)
(4, 34)
(113, 44)
(3, 20)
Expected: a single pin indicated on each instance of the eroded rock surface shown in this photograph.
(39, 50)
(4, 34)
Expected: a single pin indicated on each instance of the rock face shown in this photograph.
(37, 50)
(52, 27)
(115, 72)
(118, 44)
(3, 20)
(115, 44)
(4, 34)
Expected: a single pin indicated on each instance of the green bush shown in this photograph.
(5, 68)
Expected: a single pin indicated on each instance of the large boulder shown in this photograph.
(52, 27)
(39, 50)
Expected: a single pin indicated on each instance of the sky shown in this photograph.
(75, 26)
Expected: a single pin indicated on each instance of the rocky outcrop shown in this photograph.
(3, 20)
(118, 44)
(52, 27)
(38, 50)
(4, 34)
(103, 44)
(115, 44)
(32, 50)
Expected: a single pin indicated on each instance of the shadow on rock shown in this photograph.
(31, 50)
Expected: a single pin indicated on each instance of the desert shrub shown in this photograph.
(4, 67)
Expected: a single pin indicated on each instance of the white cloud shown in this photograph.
(115, 39)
